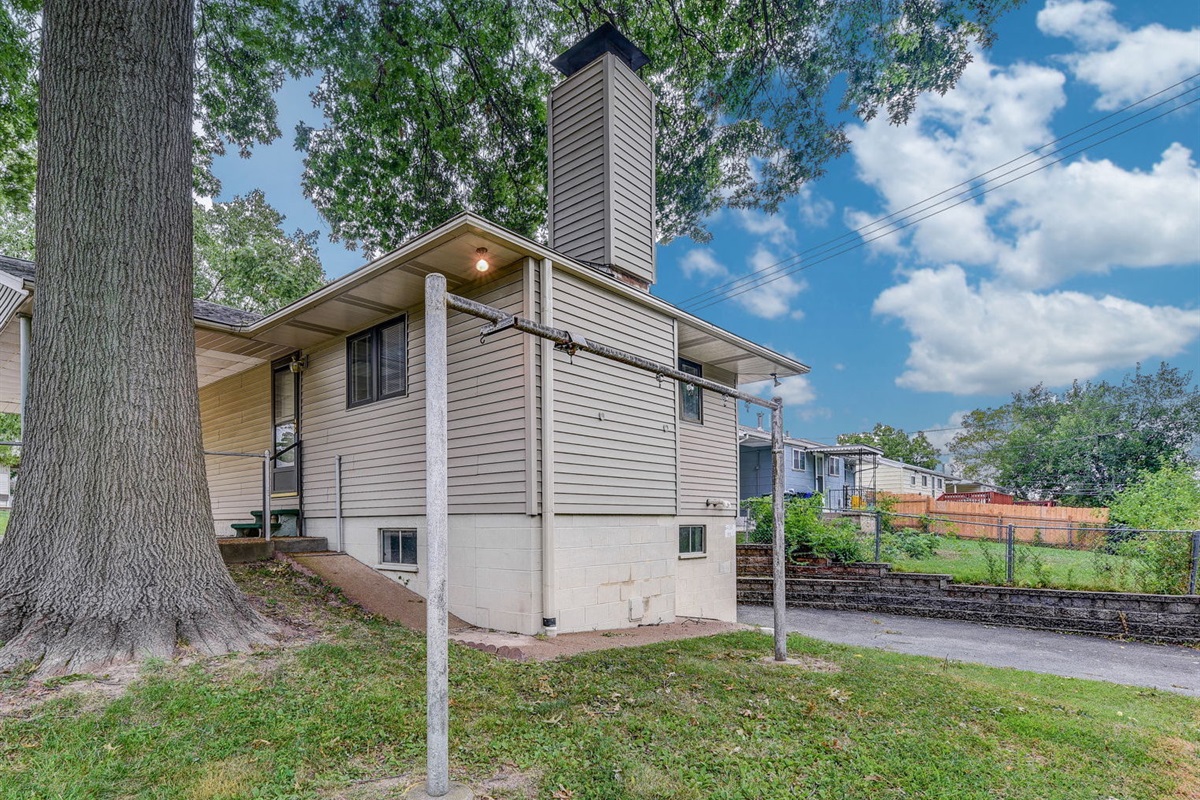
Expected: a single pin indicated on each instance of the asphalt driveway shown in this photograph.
(1171, 668)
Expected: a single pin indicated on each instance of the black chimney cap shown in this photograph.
(605, 39)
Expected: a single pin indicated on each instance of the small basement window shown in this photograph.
(398, 547)
(691, 400)
(377, 363)
(691, 540)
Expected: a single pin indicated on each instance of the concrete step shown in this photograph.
(300, 544)
(244, 549)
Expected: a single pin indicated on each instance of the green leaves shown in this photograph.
(896, 444)
(18, 101)
(435, 107)
(1086, 444)
(244, 259)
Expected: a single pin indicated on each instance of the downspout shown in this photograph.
(337, 504)
(549, 578)
(26, 332)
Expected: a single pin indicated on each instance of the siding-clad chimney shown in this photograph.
(602, 157)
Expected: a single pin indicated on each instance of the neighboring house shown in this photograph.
(897, 477)
(833, 471)
(621, 484)
(6, 482)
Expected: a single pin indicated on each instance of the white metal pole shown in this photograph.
(437, 517)
(778, 565)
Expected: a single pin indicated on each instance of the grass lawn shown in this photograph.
(704, 718)
(3, 522)
(1043, 567)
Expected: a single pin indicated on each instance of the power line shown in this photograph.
(770, 273)
(775, 275)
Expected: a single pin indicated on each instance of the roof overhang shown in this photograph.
(395, 282)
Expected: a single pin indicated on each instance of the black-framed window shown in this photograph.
(377, 363)
(691, 540)
(691, 397)
(397, 546)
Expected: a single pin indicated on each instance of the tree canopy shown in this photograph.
(244, 259)
(1168, 499)
(1086, 444)
(242, 256)
(432, 107)
(912, 449)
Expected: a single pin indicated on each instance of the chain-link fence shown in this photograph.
(1087, 557)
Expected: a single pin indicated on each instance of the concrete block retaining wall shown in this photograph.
(873, 587)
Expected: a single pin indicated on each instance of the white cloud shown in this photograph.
(1067, 219)
(795, 391)
(771, 227)
(1124, 64)
(993, 339)
(939, 434)
(814, 211)
(769, 300)
(1089, 23)
(1097, 216)
(702, 264)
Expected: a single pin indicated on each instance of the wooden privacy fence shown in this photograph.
(1058, 526)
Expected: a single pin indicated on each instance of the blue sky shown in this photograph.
(1079, 270)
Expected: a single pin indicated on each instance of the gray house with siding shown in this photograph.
(842, 474)
(583, 494)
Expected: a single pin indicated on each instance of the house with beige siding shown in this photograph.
(898, 477)
(583, 494)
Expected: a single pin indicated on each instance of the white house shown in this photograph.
(583, 494)
(897, 477)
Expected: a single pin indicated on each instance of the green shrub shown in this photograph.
(909, 543)
(805, 532)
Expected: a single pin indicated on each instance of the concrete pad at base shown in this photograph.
(457, 792)
(244, 549)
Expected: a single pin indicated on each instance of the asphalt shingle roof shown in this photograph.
(202, 309)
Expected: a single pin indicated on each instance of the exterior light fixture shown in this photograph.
(482, 264)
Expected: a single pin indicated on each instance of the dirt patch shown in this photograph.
(806, 663)
(508, 783)
(539, 648)
(1182, 759)
(298, 606)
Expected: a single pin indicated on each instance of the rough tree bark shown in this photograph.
(110, 554)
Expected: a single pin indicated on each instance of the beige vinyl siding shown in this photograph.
(10, 367)
(235, 416)
(631, 178)
(708, 452)
(624, 463)
(577, 164)
(382, 444)
(602, 167)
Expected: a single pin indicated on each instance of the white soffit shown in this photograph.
(12, 296)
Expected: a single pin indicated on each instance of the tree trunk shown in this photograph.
(111, 553)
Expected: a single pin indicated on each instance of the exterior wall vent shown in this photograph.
(602, 192)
